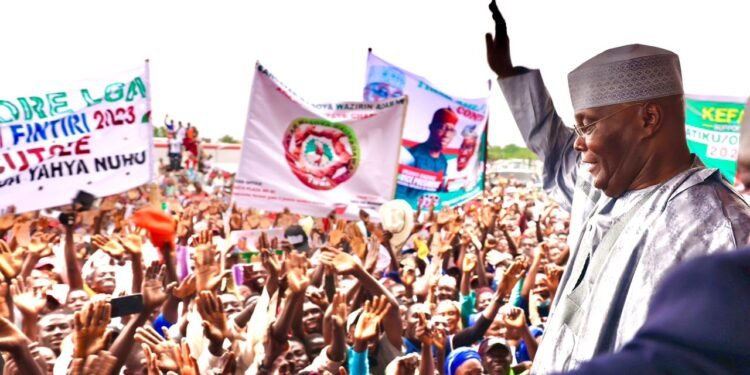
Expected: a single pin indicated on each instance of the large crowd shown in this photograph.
(331, 296)
(172, 278)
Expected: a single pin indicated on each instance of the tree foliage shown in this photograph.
(228, 139)
(510, 151)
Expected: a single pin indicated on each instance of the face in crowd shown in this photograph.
(497, 360)
(77, 299)
(103, 279)
(312, 318)
(53, 328)
(451, 313)
(446, 288)
(255, 277)
(297, 356)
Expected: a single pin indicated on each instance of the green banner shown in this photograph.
(712, 126)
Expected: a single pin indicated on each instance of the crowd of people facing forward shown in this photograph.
(331, 295)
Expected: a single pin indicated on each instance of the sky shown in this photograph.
(202, 54)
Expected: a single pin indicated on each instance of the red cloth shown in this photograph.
(161, 227)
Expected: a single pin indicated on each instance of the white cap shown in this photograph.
(625, 74)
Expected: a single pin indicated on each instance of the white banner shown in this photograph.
(443, 155)
(94, 136)
(314, 159)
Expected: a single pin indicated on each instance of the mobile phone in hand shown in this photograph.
(83, 201)
(127, 305)
(67, 218)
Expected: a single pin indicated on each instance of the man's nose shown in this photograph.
(580, 144)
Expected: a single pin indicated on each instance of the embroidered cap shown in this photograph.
(625, 74)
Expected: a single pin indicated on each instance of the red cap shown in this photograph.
(445, 115)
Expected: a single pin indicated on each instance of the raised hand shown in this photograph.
(514, 318)
(541, 250)
(186, 288)
(159, 349)
(11, 338)
(270, 262)
(407, 364)
(109, 246)
(424, 330)
(29, 301)
(132, 239)
(339, 310)
(91, 333)
(409, 275)
(215, 326)
(511, 276)
(469, 263)
(296, 268)
(207, 272)
(554, 274)
(10, 261)
(356, 240)
(498, 49)
(317, 296)
(185, 361)
(343, 263)
(154, 293)
(184, 226)
(373, 253)
(367, 325)
(41, 244)
(335, 237)
(22, 233)
(204, 238)
(488, 216)
(152, 361)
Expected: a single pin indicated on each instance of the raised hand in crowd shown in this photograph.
(91, 334)
(11, 261)
(15, 343)
(108, 245)
(215, 326)
(160, 352)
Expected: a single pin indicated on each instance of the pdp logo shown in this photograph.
(320, 153)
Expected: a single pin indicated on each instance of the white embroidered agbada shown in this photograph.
(620, 247)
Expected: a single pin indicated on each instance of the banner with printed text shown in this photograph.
(713, 131)
(94, 136)
(443, 146)
(314, 159)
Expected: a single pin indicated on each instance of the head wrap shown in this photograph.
(625, 74)
(458, 357)
(445, 115)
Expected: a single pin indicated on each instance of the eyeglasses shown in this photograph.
(584, 130)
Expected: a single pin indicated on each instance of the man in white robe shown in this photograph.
(640, 202)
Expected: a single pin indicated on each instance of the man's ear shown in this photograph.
(652, 116)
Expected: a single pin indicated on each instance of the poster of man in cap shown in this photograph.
(442, 155)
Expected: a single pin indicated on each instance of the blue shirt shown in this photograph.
(522, 353)
(423, 159)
